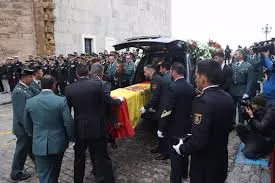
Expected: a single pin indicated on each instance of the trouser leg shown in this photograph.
(22, 149)
(79, 161)
(6, 85)
(48, 168)
(179, 166)
(104, 171)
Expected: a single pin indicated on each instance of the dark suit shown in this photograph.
(48, 120)
(227, 78)
(89, 99)
(159, 89)
(176, 120)
(212, 121)
(20, 94)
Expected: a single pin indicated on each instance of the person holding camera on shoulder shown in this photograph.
(258, 134)
(268, 61)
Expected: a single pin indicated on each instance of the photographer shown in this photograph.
(269, 85)
(257, 135)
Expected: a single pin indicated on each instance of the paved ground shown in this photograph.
(132, 161)
(5, 98)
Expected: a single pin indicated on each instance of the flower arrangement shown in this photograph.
(201, 51)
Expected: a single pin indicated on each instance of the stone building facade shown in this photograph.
(40, 27)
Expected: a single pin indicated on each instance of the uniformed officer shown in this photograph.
(129, 67)
(241, 87)
(111, 68)
(212, 120)
(48, 147)
(11, 73)
(35, 87)
(159, 89)
(176, 120)
(20, 94)
(257, 71)
(62, 75)
(120, 79)
(72, 71)
(165, 71)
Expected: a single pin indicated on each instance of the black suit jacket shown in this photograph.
(159, 89)
(176, 117)
(89, 99)
(226, 79)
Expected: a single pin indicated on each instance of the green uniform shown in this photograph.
(20, 94)
(129, 69)
(35, 88)
(111, 70)
(48, 120)
(243, 79)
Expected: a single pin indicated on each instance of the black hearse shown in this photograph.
(158, 48)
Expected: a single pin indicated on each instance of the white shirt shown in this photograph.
(211, 86)
(179, 78)
(23, 84)
(222, 66)
(46, 90)
(36, 81)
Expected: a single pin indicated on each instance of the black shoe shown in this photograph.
(162, 157)
(20, 176)
(154, 151)
(113, 145)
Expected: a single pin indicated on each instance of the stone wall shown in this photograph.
(103, 19)
(16, 28)
(44, 26)
(26, 27)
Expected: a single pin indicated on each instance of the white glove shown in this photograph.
(121, 98)
(245, 96)
(160, 135)
(177, 147)
(142, 110)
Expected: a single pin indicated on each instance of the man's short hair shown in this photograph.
(165, 65)
(149, 66)
(97, 69)
(178, 68)
(47, 82)
(211, 69)
(218, 54)
(82, 70)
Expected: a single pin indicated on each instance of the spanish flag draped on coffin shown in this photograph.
(135, 97)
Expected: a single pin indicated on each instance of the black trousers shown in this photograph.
(237, 102)
(48, 167)
(22, 149)
(256, 145)
(179, 165)
(98, 151)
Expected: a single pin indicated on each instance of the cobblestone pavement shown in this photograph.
(132, 161)
(5, 98)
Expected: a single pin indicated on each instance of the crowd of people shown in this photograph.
(118, 68)
(191, 120)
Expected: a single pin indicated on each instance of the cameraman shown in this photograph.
(269, 86)
(257, 135)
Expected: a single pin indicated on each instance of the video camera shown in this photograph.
(264, 46)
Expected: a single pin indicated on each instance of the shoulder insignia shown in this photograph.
(197, 118)
(165, 114)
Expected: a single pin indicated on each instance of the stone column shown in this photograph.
(44, 26)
